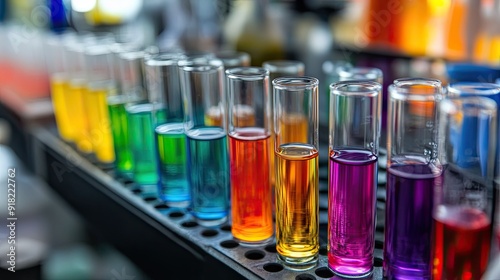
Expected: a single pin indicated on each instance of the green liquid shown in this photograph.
(173, 164)
(143, 146)
(119, 128)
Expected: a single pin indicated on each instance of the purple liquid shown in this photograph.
(408, 220)
(353, 181)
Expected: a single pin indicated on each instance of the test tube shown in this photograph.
(297, 181)
(143, 118)
(248, 130)
(349, 73)
(73, 57)
(279, 68)
(331, 74)
(130, 92)
(202, 86)
(412, 175)
(232, 59)
(354, 148)
(100, 85)
(462, 213)
(163, 78)
(59, 79)
(467, 143)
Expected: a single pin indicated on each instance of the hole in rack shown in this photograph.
(379, 244)
(226, 228)
(127, 181)
(209, 232)
(176, 214)
(305, 276)
(229, 244)
(324, 272)
(255, 255)
(271, 248)
(379, 228)
(378, 262)
(323, 250)
(137, 191)
(189, 224)
(273, 267)
(150, 199)
(162, 206)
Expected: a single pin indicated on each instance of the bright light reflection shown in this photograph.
(83, 6)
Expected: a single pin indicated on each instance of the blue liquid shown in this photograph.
(143, 146)
(171, 141)
(208, 165)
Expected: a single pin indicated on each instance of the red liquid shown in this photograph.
(461, 242)
(250, 185)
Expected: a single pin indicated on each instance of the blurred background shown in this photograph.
(425, 38)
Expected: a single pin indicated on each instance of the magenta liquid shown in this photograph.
(408, 220)
(351, 212)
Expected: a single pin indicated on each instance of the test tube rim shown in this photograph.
(295, 83)
(472, 88)
(455, 104)
(290, 67)
(399, 92)
(247, 73)
(232, 58)
(164, 59)
(336, 88)
(349, 72)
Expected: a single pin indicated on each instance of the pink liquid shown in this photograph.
(461, 242)
(352, 182)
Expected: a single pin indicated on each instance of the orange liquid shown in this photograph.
(250, 189)
(293, 128)
(297, 221)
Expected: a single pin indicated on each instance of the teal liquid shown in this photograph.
(174, 189)
(119, 129)
(143, 146)
(208, 165)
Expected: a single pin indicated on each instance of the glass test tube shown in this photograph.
(131, 91)
(349, 73)
(467, 142)
(280, 68)
(331, 75)
(462, 213)
(413, 173)
(76, 88)
(59, 80)
(202, 86)
(163, 79)
(100, 85)
(248, 130)
(296, 152)
(354, 143)
(232, 59)
(143, 119)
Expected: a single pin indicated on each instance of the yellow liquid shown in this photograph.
(59, 90)
(213, 117)
(78, 116)
(293, 128)
(96, 108)
(297, 192)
